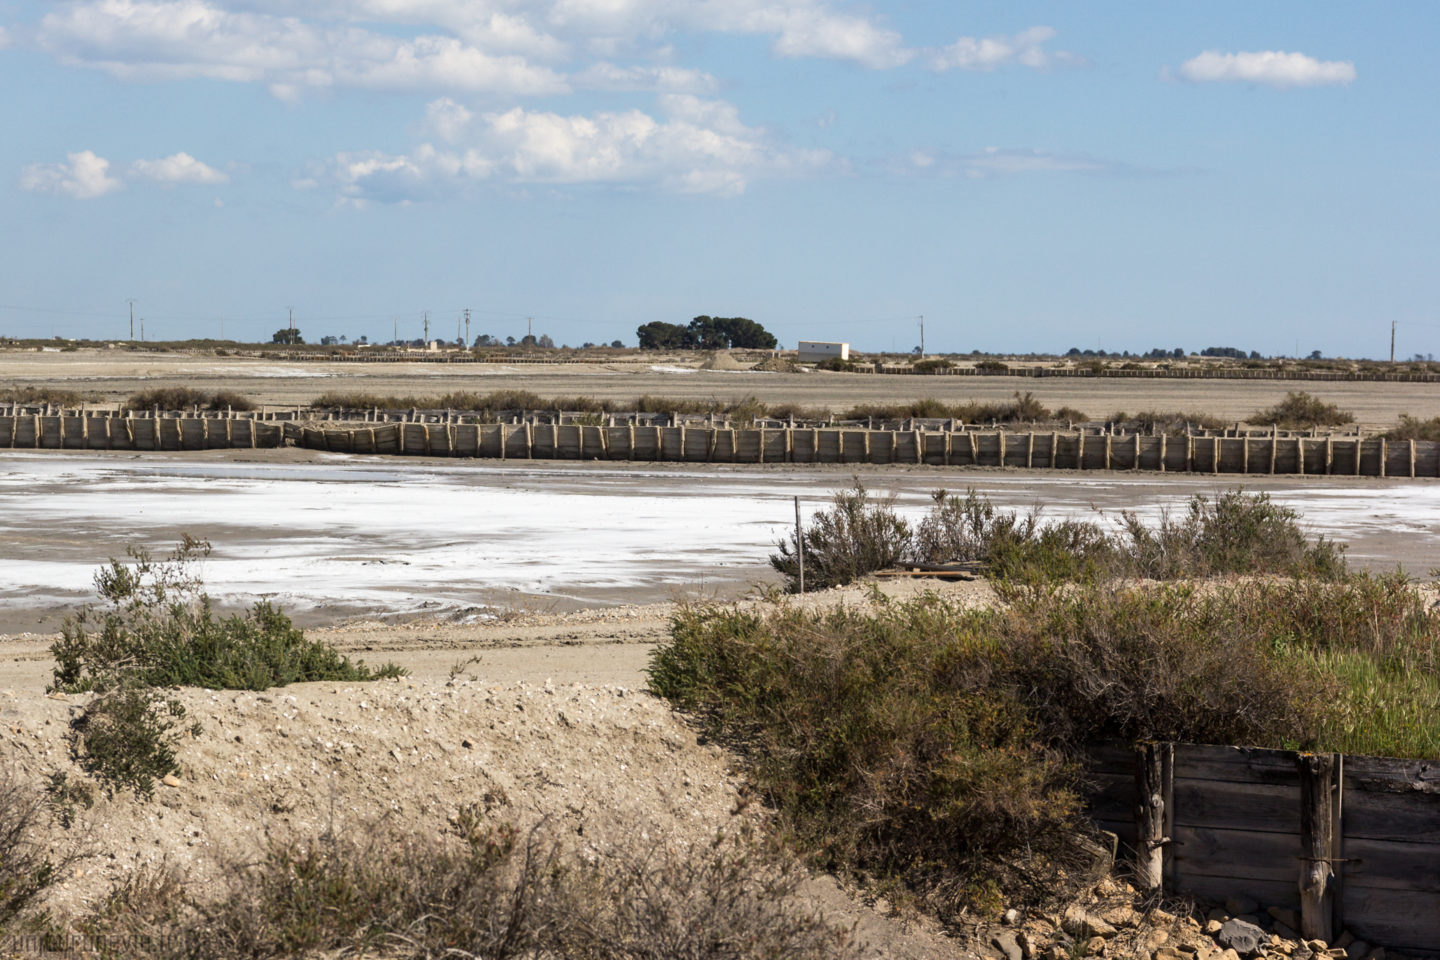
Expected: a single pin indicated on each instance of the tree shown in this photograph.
(659, 335)
(485, 340)
(617, 344)
(546, 342)
(328, 341)
(509, 341)
(289, 336)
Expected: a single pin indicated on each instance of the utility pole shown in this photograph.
(427, 328)
(292, 318)
(922, 336)
(396, 338)
(1392, 341)
(142, 329)
(131, 301)
(529, 330)
(457, 331)
(467, 326)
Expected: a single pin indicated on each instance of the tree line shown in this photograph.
(706, 333)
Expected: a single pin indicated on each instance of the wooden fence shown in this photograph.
(1347, 842)
(690, 444)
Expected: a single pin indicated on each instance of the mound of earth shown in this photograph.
(720, 360)
(776, 365)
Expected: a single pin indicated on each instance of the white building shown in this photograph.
(814, 351)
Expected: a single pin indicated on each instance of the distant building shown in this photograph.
(815, 351)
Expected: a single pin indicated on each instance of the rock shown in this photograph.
(1011, 918)
(1212, 927)
(1357, 949)
(1217, 914)
(1229, 954)
(1168, 953)
(170, 780)
(1029, 947)
(1285, 932)
(1057, 952)
(1080, 924)
(1095, 947)
(1156, 939)
(1344, 940)
(1007, 943)
(1239, 905)
(1317, 946)
(1244, 938)
(1121, 916)
(1289, 918)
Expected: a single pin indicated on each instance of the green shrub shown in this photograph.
(836, 365)
(1413, 428)
(857, 535)
(28, 863)
(931, 366)
(992, 366)
(1299, 411)
(126, 737)
(155, 628)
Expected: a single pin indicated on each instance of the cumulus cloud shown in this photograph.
(83, 176)
(670, 79)
(1273, 67)
(180, 39)
(177, 168)
(692, 145)
(1026, 48)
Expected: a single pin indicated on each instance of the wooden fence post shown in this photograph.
(1321, 779)
(1154, 778)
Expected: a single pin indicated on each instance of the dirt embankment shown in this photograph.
(549, 723)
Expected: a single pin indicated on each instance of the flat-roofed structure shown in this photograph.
(815, 351)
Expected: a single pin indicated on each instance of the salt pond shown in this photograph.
(327, 535)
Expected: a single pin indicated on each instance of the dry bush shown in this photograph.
(491, 894)
(56, 396)
(27, 863)
(1413, 428)
(183, 398)
(859, 534)
(1171, 422)
(1300, 411)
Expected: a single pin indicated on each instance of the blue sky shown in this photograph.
(1028, 176)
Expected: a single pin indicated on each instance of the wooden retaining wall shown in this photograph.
(690, 444)
(1348, 842)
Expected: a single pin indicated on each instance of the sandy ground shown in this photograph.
(551, 723)
(114, 375)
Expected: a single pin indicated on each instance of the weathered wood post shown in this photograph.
(1321, 779)
(1154, 786)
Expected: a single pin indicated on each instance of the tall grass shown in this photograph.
(183, 398)
(58, 396)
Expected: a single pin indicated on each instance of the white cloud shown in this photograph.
(4, 38)
(692, 146)
(447, 119)
(177, 168)
(150, 39)
(670, 79)
(83, 176)
(1026, 48)
(1273, 67)
(1001, 162)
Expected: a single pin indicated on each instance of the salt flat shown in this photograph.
(330, 535)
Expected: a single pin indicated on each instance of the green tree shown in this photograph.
(658, 335)
(288, 335)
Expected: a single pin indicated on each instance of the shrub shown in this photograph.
(183, 398)
(156, 628)
(57, 396)
(1413, 428)
(1299, 410)
(1071, 414)
(857, 535)
(992, 366)
(493, 894)
(1172, 422)
(27, 863)
(931, 366)
(836, 365)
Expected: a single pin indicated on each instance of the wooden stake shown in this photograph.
(1154, 785)
(800, 544)
(1321, 792)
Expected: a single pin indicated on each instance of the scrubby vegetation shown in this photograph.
(1233, 533)
(1413, 428)
(57, 396)
(1172, 422)
(184, 398)
(155, 628)
(1022, 408)
(490, 892)
(939, 746)
(1301, 411)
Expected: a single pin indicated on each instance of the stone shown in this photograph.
(1121, 916)
(1080, 924)
(1156, 939)
(1011, 918)
(1007, 943)
(1285, 932)
(170, 780)
(1317, 945)
(1288, 917)
(1240, 905)
(1168, 953)
(1244, 938)
(1095, 947)
(1357, 949)
(1029, 946)
(1212, 927)
(1217, 914)
(1057, 952)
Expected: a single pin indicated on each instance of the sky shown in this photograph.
(1026, 176)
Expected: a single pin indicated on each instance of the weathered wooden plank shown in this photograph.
(1392, 864)
(1219, 804)
(1239, 764)
(1270, 893)
(1401, 920)
(1154, 765)
(1242, 854)
(1319, 878)
(1383, 815)
(1392, 775)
